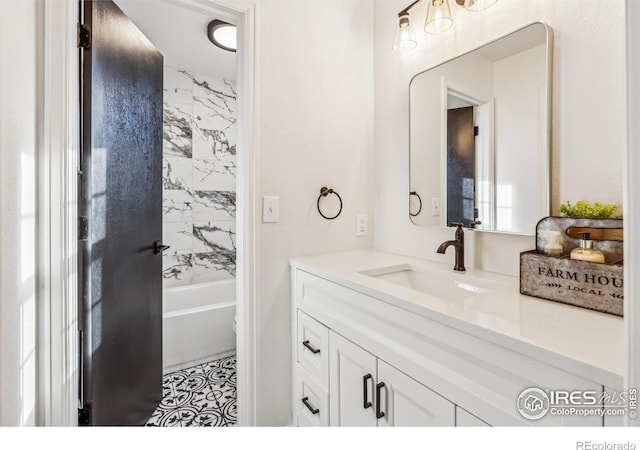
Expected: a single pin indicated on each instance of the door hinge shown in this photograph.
(476, 131)
(84, 416)
(84, 36)
(83, 228)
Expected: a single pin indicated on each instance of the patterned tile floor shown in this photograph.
(200, 396)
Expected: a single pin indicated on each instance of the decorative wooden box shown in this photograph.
(580, 283)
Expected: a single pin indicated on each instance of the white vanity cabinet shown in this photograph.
(366, 391)
(361, 361)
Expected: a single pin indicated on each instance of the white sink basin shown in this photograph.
(447, 285)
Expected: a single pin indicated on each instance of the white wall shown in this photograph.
(20, 46)
(315, 128)
(589, 129)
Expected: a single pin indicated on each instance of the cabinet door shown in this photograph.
(407, 403)
(466, 419)
(352, 374)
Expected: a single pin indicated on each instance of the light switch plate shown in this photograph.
(435, 206)
(270, 209)
(362, 225)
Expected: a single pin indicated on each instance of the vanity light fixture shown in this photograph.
(438, 17)
(405, 38)
(476, 5)
(223, 35)
(438, 20)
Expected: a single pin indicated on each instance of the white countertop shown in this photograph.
(584, 342)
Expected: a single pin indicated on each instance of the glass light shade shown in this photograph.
(478, 5)
(405, 38)
(438, 17)
(223, 35)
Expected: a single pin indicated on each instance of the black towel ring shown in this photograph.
(323, 193)
(419, 199)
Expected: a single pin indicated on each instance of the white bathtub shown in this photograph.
(197, 324)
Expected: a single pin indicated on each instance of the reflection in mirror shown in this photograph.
(479, 136)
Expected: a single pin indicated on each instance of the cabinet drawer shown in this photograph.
(313, 348)
(311, 401)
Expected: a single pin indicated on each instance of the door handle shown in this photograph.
(365, 392)
(379, 412)
(310, 347)
(313, 410)
(159, 248)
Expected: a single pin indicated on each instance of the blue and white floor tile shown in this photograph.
(200, 396)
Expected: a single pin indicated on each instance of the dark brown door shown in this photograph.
(121, 284)
(460, 166)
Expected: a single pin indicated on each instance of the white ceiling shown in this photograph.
(180, 34)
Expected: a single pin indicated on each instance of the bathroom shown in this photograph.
(199, 208)
(343, 123)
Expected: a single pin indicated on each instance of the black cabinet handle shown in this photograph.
(310, 347)
(313, 410)
(365, 392)
(379, 413)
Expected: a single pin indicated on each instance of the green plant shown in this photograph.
(589, 210)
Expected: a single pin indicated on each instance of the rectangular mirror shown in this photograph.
(480, 136)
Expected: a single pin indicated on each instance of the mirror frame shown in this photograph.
(547, 154)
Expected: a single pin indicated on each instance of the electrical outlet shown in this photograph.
(270, 209)
(435, 207)
(362, 225)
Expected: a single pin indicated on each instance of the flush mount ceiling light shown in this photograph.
(223, 35)
(438, 20)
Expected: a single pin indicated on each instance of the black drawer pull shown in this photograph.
(310, 347)
(313, 410)
(365, 392)
(379, 413)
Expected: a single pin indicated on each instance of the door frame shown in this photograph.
(447, 88)
(57, 214)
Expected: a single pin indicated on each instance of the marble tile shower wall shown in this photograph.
(199, 178)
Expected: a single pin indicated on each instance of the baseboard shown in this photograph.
(195, 362)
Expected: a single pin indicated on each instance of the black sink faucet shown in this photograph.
(458, 245)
